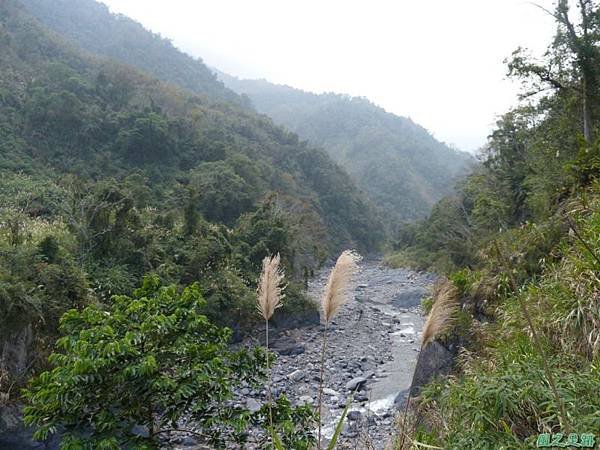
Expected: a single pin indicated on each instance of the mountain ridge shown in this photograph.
(90, 24)
(399, 163)
(60, 86)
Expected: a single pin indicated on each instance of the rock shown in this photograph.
(305, 400)
(400, 400)
(329, 391)
(288, 347)
(307, 317)
(354, 415)
(435, 360)
(15, 352)
(15, 435)
(355, 383)
(361, 396)
(410, 297)
(253, 405)
(296, 375)
(350, 434)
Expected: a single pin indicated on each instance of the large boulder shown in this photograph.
(400, 400)
(435, 359)
(355, 383)
(283, 320)
(15, 352)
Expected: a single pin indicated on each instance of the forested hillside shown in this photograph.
(91, 26)
(401, 166)
(148, 215)
(108, 174)
(520, 243)
(122, 120)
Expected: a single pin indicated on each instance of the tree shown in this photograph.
(572, 62)
(145, 137)
(583, 45)
(142, 364)
(506, 160)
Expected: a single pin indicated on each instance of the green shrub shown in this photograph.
(145, 361)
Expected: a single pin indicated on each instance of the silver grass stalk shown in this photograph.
(440, 319)
(335, 295)
(269, 294)
(443, 312)
(270, 286)
(336, 291)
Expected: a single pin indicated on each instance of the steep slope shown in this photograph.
(401, 166)
(91, 25)
(68, 112)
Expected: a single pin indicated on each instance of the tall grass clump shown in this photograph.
(533, 329)
(538, 370)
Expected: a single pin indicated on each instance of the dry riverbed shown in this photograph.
(373, 347)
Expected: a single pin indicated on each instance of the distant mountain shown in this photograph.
(401, 166)
(92, 26)
(63, 111)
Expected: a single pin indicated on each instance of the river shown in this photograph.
(374, 343)
(374, 340)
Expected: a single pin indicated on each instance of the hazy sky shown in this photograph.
(439, 62)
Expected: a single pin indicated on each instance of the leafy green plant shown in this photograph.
(144, 362)
(286, 426)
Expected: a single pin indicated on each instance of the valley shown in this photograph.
(194, 259)
(373, 346)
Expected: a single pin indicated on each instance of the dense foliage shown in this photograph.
(90, 25)
(128, 375)
(398, 163)
(108, 175)
(118, 369)
(520, 241)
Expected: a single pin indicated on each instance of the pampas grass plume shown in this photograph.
(336, 291)
(443, 312)
(270, 286)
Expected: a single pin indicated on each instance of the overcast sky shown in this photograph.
(439, 62)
